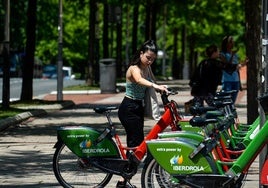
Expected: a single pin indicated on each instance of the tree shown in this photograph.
(253, 51)
(193, 24)
(118, 14)
(27, 69)
(91, 41)
(5, 53)
(175, 61)
(150, 21)
(135, 27)
(105, 32)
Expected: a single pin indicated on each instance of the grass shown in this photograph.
(81, 87)
(15, 107)
(5, 113)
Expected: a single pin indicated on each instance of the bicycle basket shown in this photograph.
(264, 102)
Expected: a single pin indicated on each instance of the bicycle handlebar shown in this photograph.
(164, 95)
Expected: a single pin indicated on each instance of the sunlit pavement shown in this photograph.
(27, 149)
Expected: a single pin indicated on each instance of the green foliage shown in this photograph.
(81, 87)
(18, 107)
(206, 22)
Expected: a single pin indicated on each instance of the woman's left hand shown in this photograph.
(162, 88)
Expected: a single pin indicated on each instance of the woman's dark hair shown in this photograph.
(149, 45)
(211, 49)
(224, 43)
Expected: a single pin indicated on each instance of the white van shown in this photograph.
(67, 73)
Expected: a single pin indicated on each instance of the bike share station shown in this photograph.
(182, 157)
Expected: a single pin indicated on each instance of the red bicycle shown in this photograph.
(85, 157)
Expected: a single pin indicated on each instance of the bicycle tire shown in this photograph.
(72, 171)
(154, 176)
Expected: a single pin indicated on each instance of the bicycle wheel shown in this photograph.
(72, 171)
(154, 176)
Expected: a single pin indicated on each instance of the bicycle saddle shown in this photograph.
(228, 97)
(214, 114)
(199, 110)
(225, 93)
(201, 122)
(102, 109)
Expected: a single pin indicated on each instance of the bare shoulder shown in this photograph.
(134, 69)
(134, 73)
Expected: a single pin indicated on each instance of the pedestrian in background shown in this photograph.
(230, 75)
(207, 77)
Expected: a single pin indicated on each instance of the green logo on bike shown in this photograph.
(176, 162)
(86, 144)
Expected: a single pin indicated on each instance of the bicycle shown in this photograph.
(235, 136)
(87, 157)
(171, 163)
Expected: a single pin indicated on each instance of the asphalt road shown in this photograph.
(41, 87)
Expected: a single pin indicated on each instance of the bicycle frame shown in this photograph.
(105, 150)
(170, 117)
(244, 161)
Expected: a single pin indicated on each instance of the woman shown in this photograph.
(131, 112)
(230, 77)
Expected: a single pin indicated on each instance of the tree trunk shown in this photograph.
(192, 64)
(28, 63)
(150, 21)
(135, 27)
(119, 67)
(91, 42)
(253, 51)
(151, 24)
(5, 53)
(105, 31)
(175, 60)
(183, 51)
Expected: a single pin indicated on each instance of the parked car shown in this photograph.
(50, 72)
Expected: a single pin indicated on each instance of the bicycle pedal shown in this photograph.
(124, 185)
(83, 163)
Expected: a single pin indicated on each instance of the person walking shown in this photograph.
(207, 77)
(230, 75)
(131, 110)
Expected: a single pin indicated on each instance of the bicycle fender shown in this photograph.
(83, 141)
(173, 155)
(182, 134)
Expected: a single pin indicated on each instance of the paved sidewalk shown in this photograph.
(27, 151)
(182, 97)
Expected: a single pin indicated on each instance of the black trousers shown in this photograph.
(131, 115)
